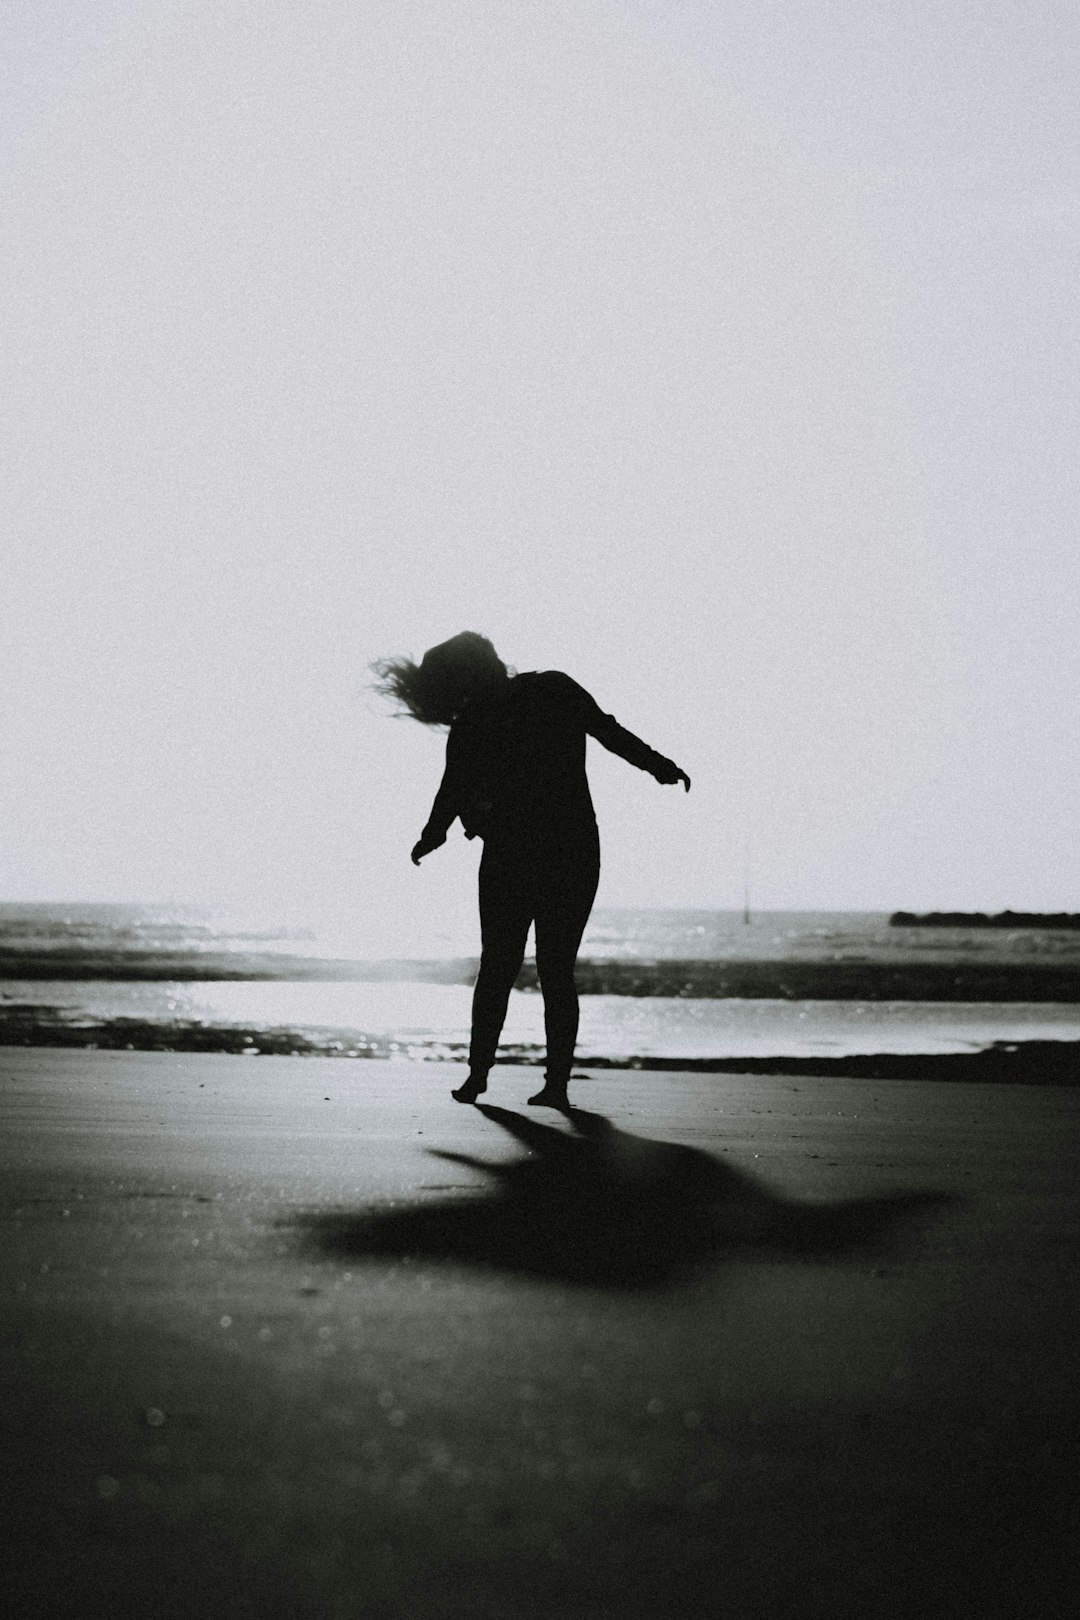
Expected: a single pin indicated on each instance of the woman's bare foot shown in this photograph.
(470, 1089)
(552, 1096)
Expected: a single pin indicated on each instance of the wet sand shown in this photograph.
(303, 1337)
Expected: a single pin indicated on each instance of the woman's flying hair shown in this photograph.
(434, 690)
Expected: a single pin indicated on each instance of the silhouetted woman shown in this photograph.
(515, 777)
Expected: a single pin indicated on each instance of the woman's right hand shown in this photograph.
(425, 844)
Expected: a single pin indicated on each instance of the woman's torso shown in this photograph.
(523, 762)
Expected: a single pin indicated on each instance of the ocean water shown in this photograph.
(187, 976)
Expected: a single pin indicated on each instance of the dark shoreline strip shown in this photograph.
(837, 980)
(1054, 1063)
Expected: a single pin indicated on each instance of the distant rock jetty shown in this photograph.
(981, 919)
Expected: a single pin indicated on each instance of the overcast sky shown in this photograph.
(722, 353)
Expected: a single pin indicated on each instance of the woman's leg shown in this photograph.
(563, 908)
(505, 915)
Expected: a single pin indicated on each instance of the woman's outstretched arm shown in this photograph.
(607, 730)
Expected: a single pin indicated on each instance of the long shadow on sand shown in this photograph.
(600, 1207)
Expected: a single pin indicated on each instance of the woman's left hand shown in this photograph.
(670, 774)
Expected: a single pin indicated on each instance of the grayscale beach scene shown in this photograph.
(539, 810)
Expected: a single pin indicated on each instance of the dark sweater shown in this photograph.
(515, 764)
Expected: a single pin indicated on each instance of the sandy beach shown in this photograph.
(303, 1337)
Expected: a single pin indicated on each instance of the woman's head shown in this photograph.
(447, 678)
